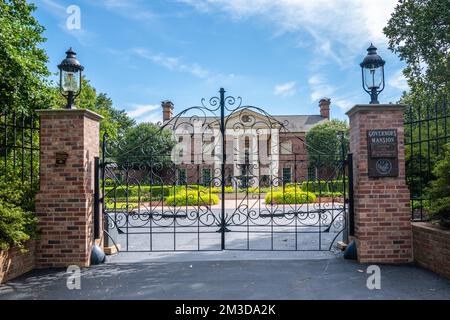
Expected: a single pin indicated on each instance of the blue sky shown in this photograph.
(280, 55)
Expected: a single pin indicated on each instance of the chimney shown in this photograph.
(167, 108)
(324, 105)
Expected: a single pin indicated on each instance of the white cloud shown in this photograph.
(128, 8)
(345, 18)
(319, 87)
(345, 103)
(285, 89)
(398, 81)
(172, 63)
(55, 8)
(349, 25)
(146, 113)
(82, 35)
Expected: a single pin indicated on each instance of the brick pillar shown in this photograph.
(382, 213)
(64, 203)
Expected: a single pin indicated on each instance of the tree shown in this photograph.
(142, 144)
(115, 122)
(419, 32)
(439, 190)
(23, 72)
(324, 143)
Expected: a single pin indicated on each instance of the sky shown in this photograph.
(279, 55)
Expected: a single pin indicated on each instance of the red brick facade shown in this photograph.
(14, 262)
(64, 203)
(432, 247)
(382, 213)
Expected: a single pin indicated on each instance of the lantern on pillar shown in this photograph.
(372, 70)
(70, 71)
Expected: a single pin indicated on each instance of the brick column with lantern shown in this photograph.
(69, 143)
(382, 216)
(381, 197)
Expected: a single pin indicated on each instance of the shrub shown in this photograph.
(439, 190)
(192, 198)
(329, 194)
(289, 196)
(135, 191)
(17, 221)
(228, 189)
(323, 186)
(250, 190)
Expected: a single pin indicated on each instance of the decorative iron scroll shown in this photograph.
(210, 191)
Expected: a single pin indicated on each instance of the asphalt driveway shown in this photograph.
(230, 277)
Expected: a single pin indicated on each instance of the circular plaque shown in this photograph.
(384, 166)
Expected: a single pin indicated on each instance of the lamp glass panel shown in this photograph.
(373, 77)
(71, 81)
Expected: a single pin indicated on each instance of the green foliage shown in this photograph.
(324, 143)
(146, 142)
(143, 191)
(290, 196)
(323, 186)
(17, 221)
(23, 72)
(419, 32)
(439, 190)
(192, 198)
(228, 189)
(115, 122)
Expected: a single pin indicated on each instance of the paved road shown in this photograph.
(330, 277)
(305, 227)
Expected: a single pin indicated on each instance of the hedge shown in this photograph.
(219, 190)
(192, 198)
(323, 186)
(290, 196)
(18, 222)
(156, 191)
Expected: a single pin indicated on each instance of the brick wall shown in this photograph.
(382, 214)
(432, 247)
(14, 262)
(64, 203)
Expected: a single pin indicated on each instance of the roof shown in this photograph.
(300, 123)
(293, 123)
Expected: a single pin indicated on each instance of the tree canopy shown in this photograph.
(24, 85)
(419, 32)
(115, 121)
(145, 142)
(324, 142)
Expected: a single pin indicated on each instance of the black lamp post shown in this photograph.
(70, 71)
(372, 70)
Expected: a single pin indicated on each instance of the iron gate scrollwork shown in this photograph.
(223, 175)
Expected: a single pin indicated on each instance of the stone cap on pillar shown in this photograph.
(375, 107)
(72, 112)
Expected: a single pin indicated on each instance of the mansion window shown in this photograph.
(286, 147)
(312, 173)
(182, 176)
(206, 177)
(287, 175)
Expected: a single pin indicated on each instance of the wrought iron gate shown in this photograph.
(219, 176)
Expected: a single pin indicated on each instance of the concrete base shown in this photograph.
(111, 250)
(342, 245)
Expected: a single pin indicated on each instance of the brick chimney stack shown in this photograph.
(167, 108)
(324, 105)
